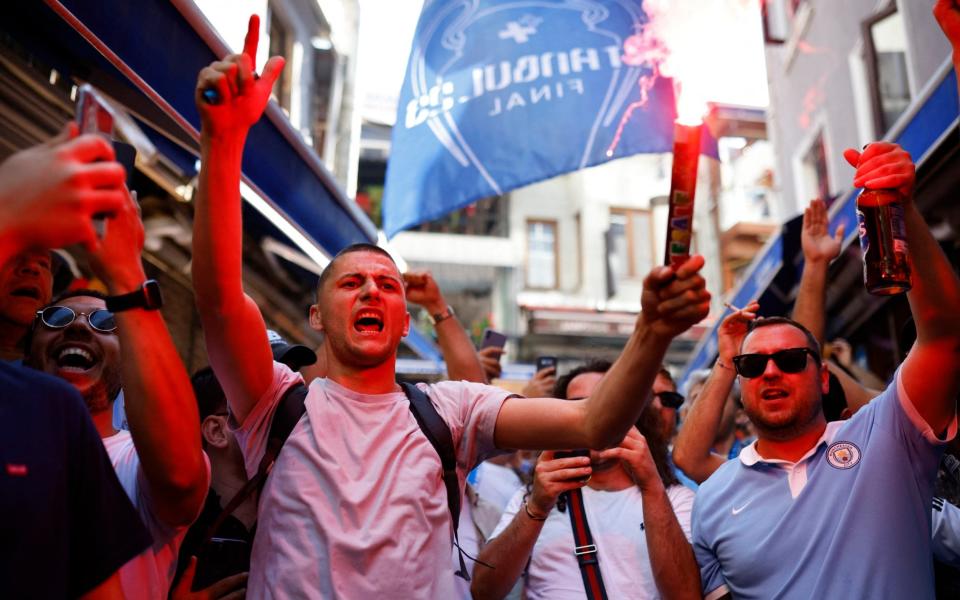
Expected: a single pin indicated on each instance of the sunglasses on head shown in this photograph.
(791, 360)
(58, 317)
(670, 399)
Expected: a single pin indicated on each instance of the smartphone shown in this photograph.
(492, 338)
(545, 362)
(219, 558)
(94, 115)
(572, 453)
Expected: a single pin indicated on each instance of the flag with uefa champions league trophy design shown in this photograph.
(501, 94)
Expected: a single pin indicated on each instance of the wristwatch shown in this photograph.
(148, 297)
(442, 316)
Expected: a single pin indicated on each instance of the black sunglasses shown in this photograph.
(670, 399)
(791, 360)
(58, 317)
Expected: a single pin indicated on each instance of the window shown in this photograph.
(631, 253)
(779, 19)
(280, 45)
(885, 53)
(542, 254)
(814, 180)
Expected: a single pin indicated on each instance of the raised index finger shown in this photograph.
(253, 38)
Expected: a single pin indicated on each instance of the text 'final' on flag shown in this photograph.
(498, 95)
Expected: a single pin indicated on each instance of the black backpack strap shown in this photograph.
(289, 410)
(436, 430)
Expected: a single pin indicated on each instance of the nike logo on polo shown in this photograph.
(737, 511)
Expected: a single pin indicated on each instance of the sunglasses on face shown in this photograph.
(58, 317)
(791, 360)
(670, 399)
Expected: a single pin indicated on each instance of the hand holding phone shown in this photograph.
(492, 338)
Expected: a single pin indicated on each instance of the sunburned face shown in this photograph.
(782, 405)
(26, 282)
(363, 309)
(87, 358)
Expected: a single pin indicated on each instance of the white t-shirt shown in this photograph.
(149, 575)
(355, 506)
(616, 524)
(495, 483)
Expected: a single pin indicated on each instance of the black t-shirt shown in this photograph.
(66, 524)
(228, 552)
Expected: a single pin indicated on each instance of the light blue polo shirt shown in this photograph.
(851, 519)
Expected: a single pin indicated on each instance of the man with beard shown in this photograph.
(818, 510)
(354, 505)
(638, 513)
(96, 349)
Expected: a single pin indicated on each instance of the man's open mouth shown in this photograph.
(773, 394)
(32, 292)
(76, 359)
(368, 321)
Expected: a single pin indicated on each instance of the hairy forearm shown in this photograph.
(624, 391)
(692, 449)
(672, 560)
(458, 352)
(163, 417)
(810, 307)
(507, 554)
(935, 294)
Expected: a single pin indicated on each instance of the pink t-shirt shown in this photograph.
(355, 505)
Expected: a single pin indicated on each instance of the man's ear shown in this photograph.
(824, 377)
(315, 322)
(406, 323)
(213, 430)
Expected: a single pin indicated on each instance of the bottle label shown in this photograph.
(898, 227)
(862, 230)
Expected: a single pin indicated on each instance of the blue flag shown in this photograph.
(498, 95)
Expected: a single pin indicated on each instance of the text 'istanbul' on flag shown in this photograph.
(498, 95)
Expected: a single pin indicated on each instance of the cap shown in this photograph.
(295, 356)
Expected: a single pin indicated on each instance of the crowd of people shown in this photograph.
(279, 471)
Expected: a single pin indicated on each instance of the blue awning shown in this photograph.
(918, 131)
(146, 55)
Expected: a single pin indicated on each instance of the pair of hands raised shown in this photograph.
(552, 476)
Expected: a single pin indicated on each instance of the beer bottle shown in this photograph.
(883, 240)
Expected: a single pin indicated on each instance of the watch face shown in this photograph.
(152, 298)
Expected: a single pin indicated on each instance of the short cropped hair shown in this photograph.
(359, 247)
(769, 321)
(210, 396)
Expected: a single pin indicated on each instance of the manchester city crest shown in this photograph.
(843, 455)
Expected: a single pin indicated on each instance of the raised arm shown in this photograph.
(672, 562)
(671, 303)
(693, 449)
(50, 192)
(931, 372)
(456, 346)
(233, 327)
(159, 400)
(819, 248)
(510, 550)
(947, 13)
